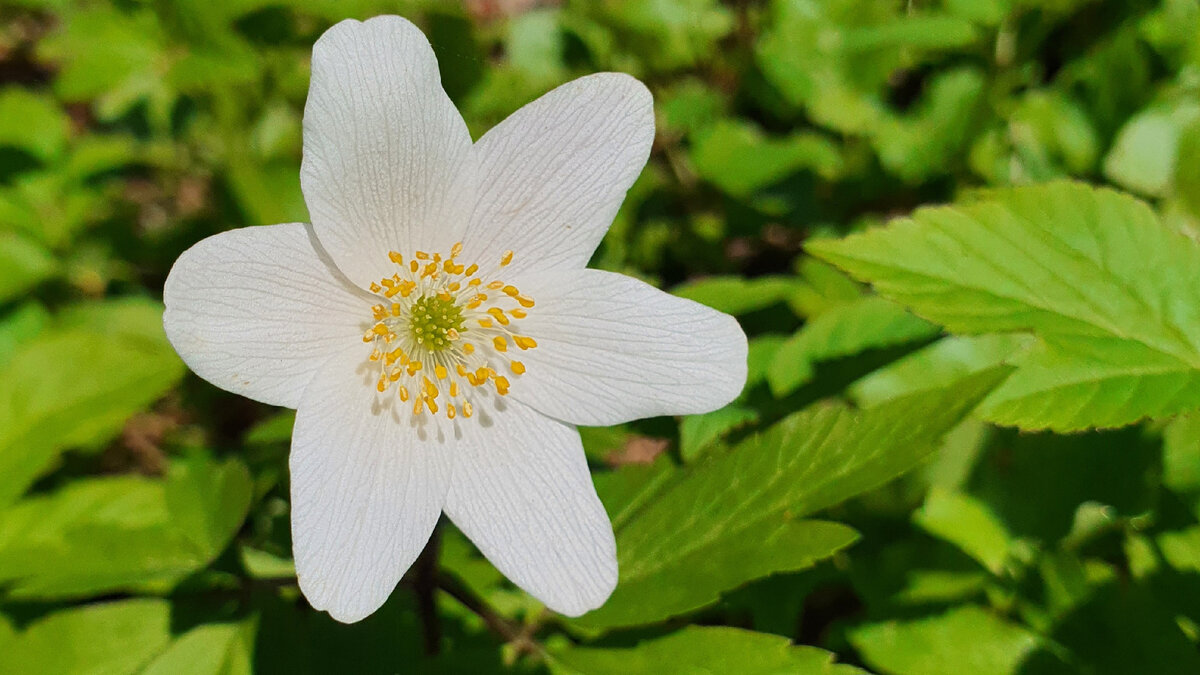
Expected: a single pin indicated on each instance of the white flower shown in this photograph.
(436, 329)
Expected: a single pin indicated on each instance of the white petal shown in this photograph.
(552, 176)
(256, 311)
(382, 145)
(612, 348)
(367, 490)
(522, 492)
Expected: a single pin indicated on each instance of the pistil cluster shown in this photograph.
(441, 330)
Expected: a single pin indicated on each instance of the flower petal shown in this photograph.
(552, 176)
(522, 492)
(382, 145)
(367, 490)
(611, 348)
(256, 311)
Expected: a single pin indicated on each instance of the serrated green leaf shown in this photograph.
(736, 516)
(114, 638)
(968, 524)
(697, 649)
(1113, 296)
(864, 324)
(963, 640)
(77, 384)
(936, 365)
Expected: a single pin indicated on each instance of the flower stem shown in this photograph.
(425, 583)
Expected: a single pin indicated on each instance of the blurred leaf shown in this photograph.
(855, 327)
(968, 524)
(738, 515)
(1143, 157)
(735, 295)
(1119, 330)
(739, 159)
(211, 649)
(46, 405)
(699, 432)
(23, 265)
(702, 650)
(18, 327)
(113, 638)
(1181, 454)
(963, 640)
(33, 123)
(263, 565)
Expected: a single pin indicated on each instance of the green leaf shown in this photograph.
(1144, 155)
(77, 383)
(211, 649)
(23, 265)
(968, 524)
(936, 365)
(736, 516)
(34, 123)
(739, 159)
(736, 295)
(963, 640)
(208, 501)
(123, 533)
(868, 323)
(697, 649)
(1112, 295)
(114, 638)
(1181, 454)
(700, 432)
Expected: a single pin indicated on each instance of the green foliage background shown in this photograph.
(965, 445)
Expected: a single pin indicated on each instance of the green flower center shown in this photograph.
(432, 319)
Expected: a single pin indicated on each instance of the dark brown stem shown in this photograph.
(425, 583)
(521, 638)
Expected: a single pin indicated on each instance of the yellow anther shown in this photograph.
(452, 334)
(502, 385)
(511, 291)
(525, 301)
(474, 303)
(382, 384)
(414, 266)
(395, 257)
(517, 313)
(440, 371)
(430, 270)
(388, 282)
(499, 315)
(453, 389)
(496, 285)
(450, 410)
(422, 255)
(379, 329)
(395, 374)
(369, 336)
(524, 342)
(506, 258)
(375, 288)
(469, 348)
(501, 345)
(474, 282)
(403, 393)
(375, 354)
(444, 296)
(395, 309)
(378, 309)
(481, 374)
(418, 405)
(484, 323)
(433, 406)
(517, 367)
(467, 409)
(472, 380)
(437, 257)
(413, 367)
(472, 269)
(456, 249)
(454, 287)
